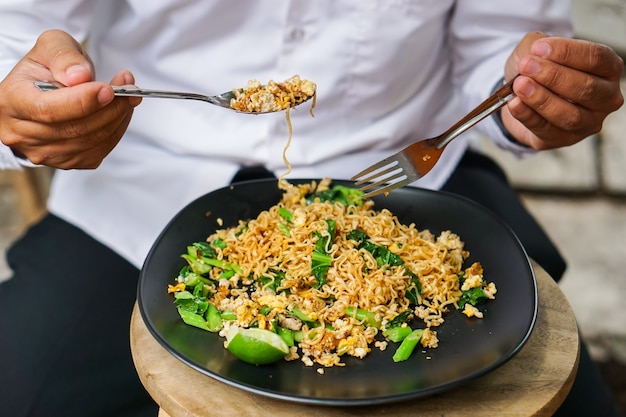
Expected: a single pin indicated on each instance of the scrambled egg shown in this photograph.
(471, 311)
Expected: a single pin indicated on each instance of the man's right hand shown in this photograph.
(70, 128)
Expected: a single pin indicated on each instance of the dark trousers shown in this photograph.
(64, 316)
(64, 323)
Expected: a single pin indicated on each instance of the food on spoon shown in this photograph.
(273, 96)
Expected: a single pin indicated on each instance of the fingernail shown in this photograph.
(531, 67)
(128, 79)
(526, 89)
(105, 95)
(76, 69)
(541, 49)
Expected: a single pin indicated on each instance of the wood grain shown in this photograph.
(533, 383)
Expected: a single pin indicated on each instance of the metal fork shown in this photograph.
(416, 160)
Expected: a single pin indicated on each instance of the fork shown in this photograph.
(416, 160)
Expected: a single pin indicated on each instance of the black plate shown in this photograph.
(467, 348)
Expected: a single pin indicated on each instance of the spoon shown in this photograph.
(222, 100)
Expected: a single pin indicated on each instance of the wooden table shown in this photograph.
(533, 383)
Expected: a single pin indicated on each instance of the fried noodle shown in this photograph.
(261, 248)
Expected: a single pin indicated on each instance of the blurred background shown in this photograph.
(578, 194)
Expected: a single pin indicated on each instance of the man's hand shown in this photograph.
(565, 90)
(73, 127)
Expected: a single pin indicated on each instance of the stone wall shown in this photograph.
(601, 21)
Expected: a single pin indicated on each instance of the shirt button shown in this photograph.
(296, 34)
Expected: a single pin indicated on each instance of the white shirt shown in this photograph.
(388, 72)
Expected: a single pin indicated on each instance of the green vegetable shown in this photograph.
(407, 346)
(399, 319)
(298, 336)
(301, 315)
(193, 319)
(397, 329)
(398, 333)
(213, 319)
(274, 282)
(184, 300)
(358, 235)
(364, 316)
(196, 265)
(218, 243)
(320, 259)
(228, 315)
(347, 196)
(320, 263)
(202, 257)
(474, 296)
(382, 254)
(285, 214)
(227, 274)
(200, 249)
(415, 289)
(240, 229)
(191, 279)
(265, 310)
(284, 229)
(385, 257)
(287, 335)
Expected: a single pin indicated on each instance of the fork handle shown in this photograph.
(493, 103)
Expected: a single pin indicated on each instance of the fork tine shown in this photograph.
(378, 174)
(388, 188)
(384, 180)
(385, 175)
(378, 165)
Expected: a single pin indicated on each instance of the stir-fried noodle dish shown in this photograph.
(331, 275)
(273, 96)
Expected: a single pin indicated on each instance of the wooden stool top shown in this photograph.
(532, 383)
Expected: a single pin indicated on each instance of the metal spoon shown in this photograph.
(222, 100)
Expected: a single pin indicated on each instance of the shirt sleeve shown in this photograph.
(21, 23)
(483, 35)
(7, 159)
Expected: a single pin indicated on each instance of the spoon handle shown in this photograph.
(138, 92)
(142, 92)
